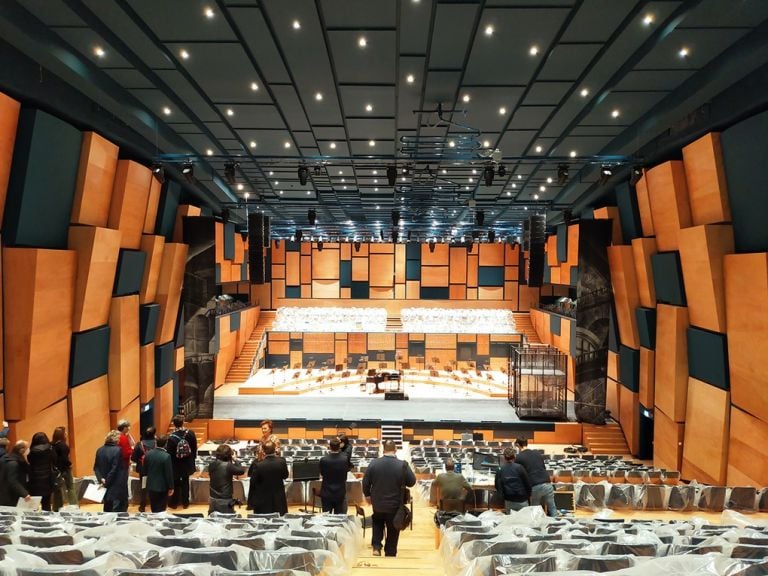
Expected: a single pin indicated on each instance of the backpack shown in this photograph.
(183, 449)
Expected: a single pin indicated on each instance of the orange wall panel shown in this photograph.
(457, 292)
(95, 178)
(240, 250)
(472, 270)
(629, 418)
(510, 294)
(529, 297)
(746, 308)
(625, 293)
(38, 297)
(359, 269)
(382, 293)
(491, 254)
(218, 241)
(325, 264)
(9, 121)
(611, 213)
(552, 250)
(434, 276)
(382, 270)
(647, 377)
(278, 251)
(153, 201)
(325, 288)
(146, 372)
(671, 366)
(183, 211)
(97, 252)
(642, 250)
(707, 186)
(458, 266)
(346, 251)
(128, 206)
(400, 264)
(292, 269)
(702, 249)
(747, 450)
(153, 247)
(88, 423)
(668, 438)
(164, 405)
(644, 207)
(613, 365)
(612, 397)
(705, 449)
(43, 421)
(490, 293)
(124, 357)
(306, 269)
(169, 290)
(437, 257)
(671, 211)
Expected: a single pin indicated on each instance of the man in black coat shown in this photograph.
(383, 485)
(512, 482)
(333, 469)
(267, 492)
(110, 473)
(183, 467)
(13, 475)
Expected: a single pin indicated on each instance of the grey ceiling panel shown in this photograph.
(356, 98)
(597, 130)
(219, 129)
(409, 95)
(187, 128)
(515, 142)
(375, 63)
(305, 139)
(530, 117)
(441, 87)
(452, 35)
(596, 20)
(568, 61)
(290, 105)
(367, 128)
(483, 110)
(415, 26)
(270, 142)
(130, 78)
(155, 101)
(333, 133)
(257, 37)
(359, 14)
(188, 18)
(86, 40)
(185, 92)
(254, 116)
(586, 145)
(663, 80)
(631, 105)
(716, 14)
(52, 13)
(703, 45)
(546, 93)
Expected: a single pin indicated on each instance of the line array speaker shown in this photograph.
(537, 230)
(256, 248)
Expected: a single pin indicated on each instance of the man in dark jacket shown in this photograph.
(157, 474)
(183, 467)
(542, 491)
(140, 451)
(333, 469)
(222, 472)
(384, 485)
(110, 473)
(13, 475)
(512, 482)
(267, 492)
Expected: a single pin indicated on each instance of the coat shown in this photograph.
(182, 466)
(109, 467)
(140, 452)
(384, 481)
(13, 479)
(42, 463)
(221, 474)
(158, 470)
(267, 492)
(333, 468)
(61, 450)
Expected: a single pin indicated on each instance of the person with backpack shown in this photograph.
(143, 446)
(182, 446)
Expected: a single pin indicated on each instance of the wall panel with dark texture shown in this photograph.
(646, 327)
(130, 272)
(89, 355)
(629, 368)
(668, 278)
(148, 315)
(708, 357)
(164, 356)
(166, 210)
(629, 212)
(128, 207)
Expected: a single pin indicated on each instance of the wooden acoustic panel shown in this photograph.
(325, 264)
(9, 121)
(400, 263)
(2, 346)
(629, 418)
(612, 396)
(702, 249)
(153, 247)
(625, 293)
(292, 269)
(647, 377)
(551, 251)
(434, 276)
(434, 254)
(169, 290)
(472, 269)
(644, 207)
(88, 423)
(183, 211)
(613, 365)
(153, 201)
(359, 269)
(668, 438)
(44, 420)
(218, 241)
(278, 251)
(671, 211)
(747, 450)
(240, 250)
(705, 449)
(611, 213)
(146, 372)
(511, 292)
(130, 412)
(97, 253)
(458, 266)
(38, 301)
(528, 298)
(325, 288)
(642, 250)
(381, 293)
(707, 185)
(746, 309)
(491, 254)
(124, 357)
(128, 206)
(382, 270)
(95, 179)
(671, 366)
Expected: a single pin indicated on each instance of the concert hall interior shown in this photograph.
(448, 223)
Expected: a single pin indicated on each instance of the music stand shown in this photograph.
(305, 471)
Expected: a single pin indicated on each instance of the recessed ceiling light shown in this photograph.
(466, 187)
(470, 180)
(444, 171)
(209, 152)
(514, 185)
(246, 195)
(254, 86)
(538, 149)
(281, 192)
(271, 173)
(296, 25)
(375, 172)
(209, 13)
(341, 172)
(451, 144)
(466, 98)
(403, 178)
(343, 180)
(230, 112)
(362, 42)
(375, 189)
(371, 143)
(308, 192)
(519, 176)
(525, 207)
(474, 171)
(277, 182)
(683, 52)
(615, 113)
(344, 187)
(573, 154)
(509, 193)
(99, 51)
(377, 206)
(286, 145)
(252, 143)
(502, 111)
(542, 188)
(333, 145)
(184, 54)
(369, 107)
(410, 78)
(584, 92)
(549, 180)
(534, 50)
(240, 186)
(535, 196)
(375, 180)
(319, 96)
(489, 30)
(486, 143)
(648, 19)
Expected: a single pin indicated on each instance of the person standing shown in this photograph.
(222, 472)
(157, 473)
(384, 487)
(13, 475)
(542, 491)
(66, 490)
(3, 446)
(140, 451)
(267, 435)
(112, 474)
(333, 469)
(266, 493)
(512, 483)
(182, 446)
(452, 485)
(42, 469)
(346, 448)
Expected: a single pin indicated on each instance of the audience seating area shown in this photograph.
(80, 543)
(493, 544)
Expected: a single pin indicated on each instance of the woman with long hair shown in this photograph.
(13, 475)
(42, 469)
(66, 490)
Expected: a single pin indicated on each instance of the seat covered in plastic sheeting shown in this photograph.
(712, 498)
(254, 573)
(298, 542)
(681, 498)
(754, 541)
(747, 551)
(566, 545)
(590, 496)
(190, 570)
(62, 569)
(678, 549)
(742, 498)
(759, 569)
(223, 557)
(178, 541)
(145, 559)
(635, 549)
(59, 554)
(491, 547)
(603, 563)
(49, 540)
(522, 563)
(285, 559)
(651, 497)
(621, 496)
(465, 537)
(252, 542)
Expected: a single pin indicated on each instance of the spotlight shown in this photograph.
(432, 245)
(635, 175)
(311, 216)
(562, 174)
(318, 171)
(502, 171)
(381, 235)
(188, 170)
(491, 236)
(488, 175)
(159, 172)
(410, 235)
(303, 173)
(391, 175)
(394, 236)
(479, 217)
(606, 171)
(395, 217)
(299, 233)
(319, 245)
(357, 246)
(475, 234)
(229, 173)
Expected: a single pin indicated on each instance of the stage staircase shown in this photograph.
(392, 432)
(607, 439)
(394, 324)
(525, 326)
(240, 370)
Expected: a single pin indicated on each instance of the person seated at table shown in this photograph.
(221, 473)
(266, 493)
(452, 485)
(333, 489)
(267, 435)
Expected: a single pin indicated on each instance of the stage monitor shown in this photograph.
(485, 461)
(304, 470)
